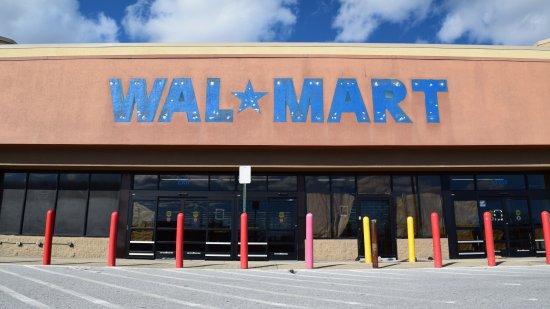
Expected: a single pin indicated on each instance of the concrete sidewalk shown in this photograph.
(270, 265)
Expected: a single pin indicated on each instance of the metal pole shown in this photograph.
(489, 240)
(244, 198)
(374, 238)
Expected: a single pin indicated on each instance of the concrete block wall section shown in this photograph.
(27, 246)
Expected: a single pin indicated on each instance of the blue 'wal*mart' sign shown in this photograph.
(387, 95)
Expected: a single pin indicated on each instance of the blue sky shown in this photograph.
(509, 22)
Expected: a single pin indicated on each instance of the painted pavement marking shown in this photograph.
(385, 289)
(194, 273)
(248, 289)
(116, 286)
(89, 298)
(202, 291)
(22, 298)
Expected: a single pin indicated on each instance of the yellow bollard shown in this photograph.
(410, 233)
(366, 234)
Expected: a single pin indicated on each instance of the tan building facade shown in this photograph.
(339, 130)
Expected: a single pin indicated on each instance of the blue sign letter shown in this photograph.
(386, 95)
(347, 99)
(137, 93)
(181, 98)
(285, 95)
(430, 87)
(213, 112)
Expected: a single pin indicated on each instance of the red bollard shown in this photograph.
(112, 239)
(48, 237)
(244, 241)
(436, 240)
(489, 240)
(546, 232)
(179, 242)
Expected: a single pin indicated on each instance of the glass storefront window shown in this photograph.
(71, 212)
(101, 205)
(184, 182)
(106, 182)
(11, 211)
(37, 204)
(257, 183)
(344, 221)
(74, 181)
(404, 188)
(222, 182)
(538, 182)
(42, 181)
(318, 204)
(461, 182)
(374, 184)
(429, 193)
(146, 182)
(500, 182)
(15, 180)
(282, 183)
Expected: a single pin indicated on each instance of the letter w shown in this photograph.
(123, 107)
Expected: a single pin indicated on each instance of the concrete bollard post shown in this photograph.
(309, 241)
(112, 239)
(489, 240)
(179, 241)
(244, 241)
(436, 240)
(546, 233)
(48, 238)
(410, 235)
(367, 241)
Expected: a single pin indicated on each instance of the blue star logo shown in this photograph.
(249, 98)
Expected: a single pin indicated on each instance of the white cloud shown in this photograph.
(59, 21)
(357, 19)
(510, 22)
(209, 20)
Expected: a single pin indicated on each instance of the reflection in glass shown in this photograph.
(145, 182)
(538, 182)
(141, 235)
(37, 205)
(184, 182)
(196, 214)
(466, 215)
(222, 182)
(220, 214)
(318, 204)
(168, 211)
(406, 203)
(11, 211)
(71, 212)
(374, 184)
(143, 214)
(344, 220)
(429, 192)
(500, 182)
(461, 182)
(282, 183)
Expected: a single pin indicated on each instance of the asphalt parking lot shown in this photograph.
(25, 286)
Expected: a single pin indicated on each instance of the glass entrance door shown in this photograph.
(271, 228)
(377, 209)
(207, 227)
(511, 224)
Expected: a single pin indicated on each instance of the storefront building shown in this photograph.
(339, 130)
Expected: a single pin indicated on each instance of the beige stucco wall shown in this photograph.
(66, 99)
(334, 249)
(423, 249)
(83, 247)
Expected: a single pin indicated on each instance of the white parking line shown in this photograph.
(115, 286)
(365, 275)
(362, 293)
(91, 299)
(22, 298)
(302, 275)
(249, 299)
(232, 286)
(461, 272)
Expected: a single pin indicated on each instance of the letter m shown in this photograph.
(285, 96)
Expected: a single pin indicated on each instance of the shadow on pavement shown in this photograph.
(202, 266)
(264, 266)
(448, 264)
